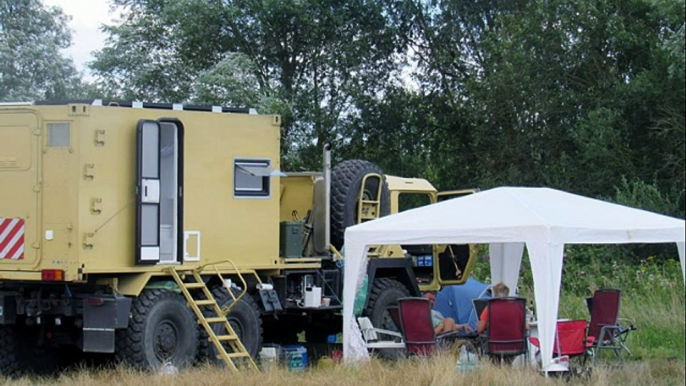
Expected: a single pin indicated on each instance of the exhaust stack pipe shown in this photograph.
(327, 199)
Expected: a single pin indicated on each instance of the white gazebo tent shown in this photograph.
(542, 219)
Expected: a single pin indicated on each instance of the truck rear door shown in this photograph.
(159, 192)
(20, 220)
(455, 260)
(448, 194)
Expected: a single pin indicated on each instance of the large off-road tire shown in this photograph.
(384, 295)
(346, 179)
(245, 320)
(12, 363)
(162, 330)
(20, 354)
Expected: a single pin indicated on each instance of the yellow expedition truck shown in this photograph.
(168, 234)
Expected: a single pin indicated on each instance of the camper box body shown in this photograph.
(106, 190)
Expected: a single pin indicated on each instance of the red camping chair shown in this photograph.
(417, 327)
(604, 329)
(506, 334)
(570, 339)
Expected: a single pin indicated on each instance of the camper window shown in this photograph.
(58, 135)
(251, 178)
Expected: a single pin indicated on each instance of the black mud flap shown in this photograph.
(101, 317)
(8, 309)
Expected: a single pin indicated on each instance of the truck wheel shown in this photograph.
(20, 355)
(162, 330)
(346, 178)
(245, 320)
(384, 295)
(12, 363)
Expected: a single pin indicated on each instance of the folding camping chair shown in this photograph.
(479, 306)
(506, 335)
(417, 328)
(393, 339)
(395, 317)
(604, 328)
(570, 340)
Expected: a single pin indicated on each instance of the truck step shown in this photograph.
(226, 338)
(194, 285)
(205, 302)
(216, 319)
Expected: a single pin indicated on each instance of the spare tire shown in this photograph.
(346, 178)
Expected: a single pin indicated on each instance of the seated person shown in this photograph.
(499, 290)
(441, 323)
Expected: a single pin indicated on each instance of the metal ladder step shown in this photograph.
(235, 355)
(194, 285)
(226, 338)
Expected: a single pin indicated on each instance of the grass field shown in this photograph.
(652, 297)
(438, 371)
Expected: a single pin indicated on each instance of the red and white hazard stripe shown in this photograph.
(11, 238)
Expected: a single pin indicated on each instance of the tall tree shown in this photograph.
(581, 87)
(309, 59)
(572, 94)
(31, 64)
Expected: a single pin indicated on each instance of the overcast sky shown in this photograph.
(87, 17)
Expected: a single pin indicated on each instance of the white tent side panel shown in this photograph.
(680, 248)
(546, 267)
(355, 269)
(506, 261)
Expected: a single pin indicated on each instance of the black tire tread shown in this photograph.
(10, 363)
(129, 345)
(380, 286)
(19, 355)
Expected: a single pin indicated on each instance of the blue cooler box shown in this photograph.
(294, 357)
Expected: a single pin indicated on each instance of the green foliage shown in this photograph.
(231, 81)
(649, 197)
(572, 95)
(31, 64)
(141, 63)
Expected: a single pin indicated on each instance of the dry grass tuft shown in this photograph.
(437, 371)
